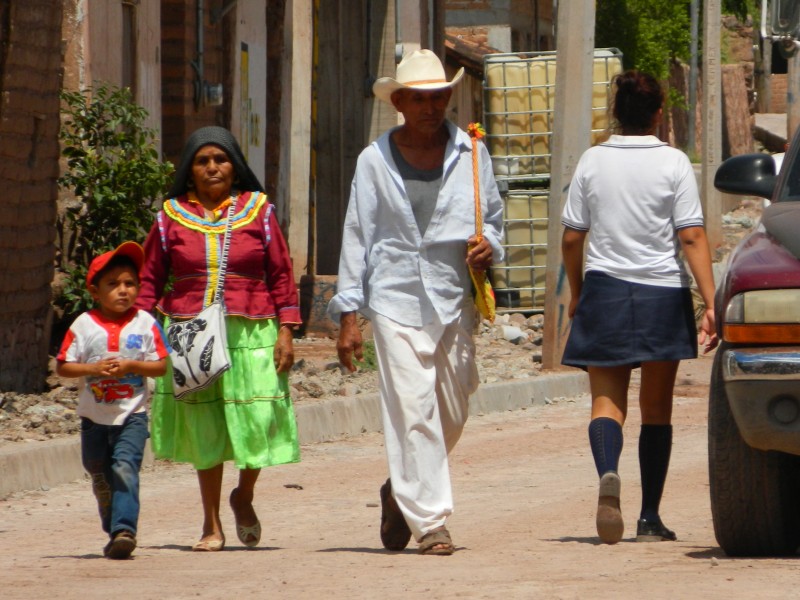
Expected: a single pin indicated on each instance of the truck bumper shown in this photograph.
(763, 389)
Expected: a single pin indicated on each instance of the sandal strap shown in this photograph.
(437, 537)
(244, 531)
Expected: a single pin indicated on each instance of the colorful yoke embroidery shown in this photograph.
(245, 216)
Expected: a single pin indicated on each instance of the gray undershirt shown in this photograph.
(422, 187)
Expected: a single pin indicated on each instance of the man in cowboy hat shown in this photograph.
(409, 235)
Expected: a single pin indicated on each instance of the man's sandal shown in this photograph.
(395, 533)
(437, 542)
(248, 535)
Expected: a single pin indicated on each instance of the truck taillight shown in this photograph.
(761, 333)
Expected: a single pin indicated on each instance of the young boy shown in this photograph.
(113, 348)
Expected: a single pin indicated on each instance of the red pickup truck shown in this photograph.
(754, 403)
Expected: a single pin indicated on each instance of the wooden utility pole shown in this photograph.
(792, 100)
(295, 131)
(572, 125)
(712, 122)
(691, 133)
(763, 74)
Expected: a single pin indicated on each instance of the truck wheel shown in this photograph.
(755, 499)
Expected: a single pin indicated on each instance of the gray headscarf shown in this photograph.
(218, 136)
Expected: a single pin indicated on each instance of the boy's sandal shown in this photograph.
(437, 542)
(395, 533)
(248, 535)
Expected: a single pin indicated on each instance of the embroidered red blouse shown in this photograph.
(259, 283)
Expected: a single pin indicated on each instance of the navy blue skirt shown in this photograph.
(622, 323)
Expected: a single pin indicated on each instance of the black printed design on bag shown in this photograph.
(181, 337)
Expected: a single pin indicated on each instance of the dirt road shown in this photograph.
(525, 491)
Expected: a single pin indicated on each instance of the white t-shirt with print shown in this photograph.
(91, 338)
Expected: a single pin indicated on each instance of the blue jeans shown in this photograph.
(112, 455)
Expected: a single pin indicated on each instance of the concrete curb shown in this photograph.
(39, 465)
(341, 417)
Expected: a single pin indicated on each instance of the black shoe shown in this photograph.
(653, 531)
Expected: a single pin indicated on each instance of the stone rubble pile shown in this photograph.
(509, 348)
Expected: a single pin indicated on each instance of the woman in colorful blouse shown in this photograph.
(246, 415)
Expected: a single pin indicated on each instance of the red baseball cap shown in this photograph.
(130, 249)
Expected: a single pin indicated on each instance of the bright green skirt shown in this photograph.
(245, 416)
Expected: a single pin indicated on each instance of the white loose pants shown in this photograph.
(426, 377)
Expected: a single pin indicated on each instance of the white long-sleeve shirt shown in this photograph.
(386, 266)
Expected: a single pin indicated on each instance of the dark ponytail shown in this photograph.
(637, 99)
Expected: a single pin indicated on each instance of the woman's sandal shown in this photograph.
(395, 533)
(206, 545)
(248, 535)
(437, 542)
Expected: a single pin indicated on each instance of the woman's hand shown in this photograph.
(573, 306)
(283, 354)
(479, 254)
(708, 331)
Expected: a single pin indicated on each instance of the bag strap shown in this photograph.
(223, 262)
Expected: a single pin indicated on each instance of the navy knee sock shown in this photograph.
(655, 447)
(605, 439)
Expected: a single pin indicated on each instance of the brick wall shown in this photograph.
(275, 60)
(778, 94)
(30, 80)
(180, 116)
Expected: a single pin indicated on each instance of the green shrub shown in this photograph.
(116, 177)
(370, 363)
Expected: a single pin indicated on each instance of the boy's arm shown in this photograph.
(147, 368)
(102, 368)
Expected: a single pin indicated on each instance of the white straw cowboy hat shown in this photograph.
(419, 70)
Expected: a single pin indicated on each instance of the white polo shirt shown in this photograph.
(632, 194)
(92, 337)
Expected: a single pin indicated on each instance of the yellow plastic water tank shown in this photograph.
(525, 241)
(509, 116)
(520, 103)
